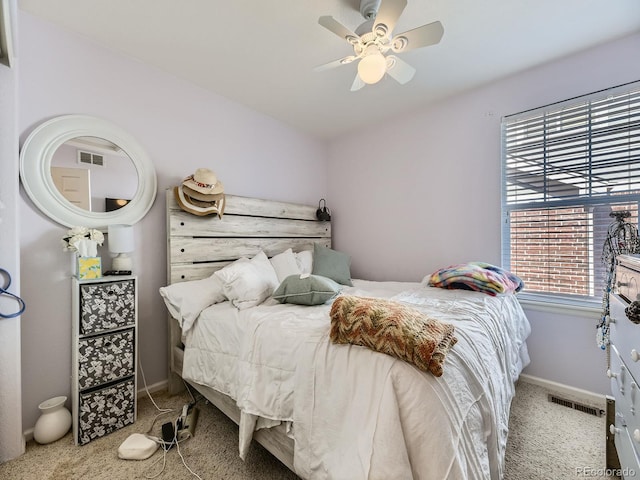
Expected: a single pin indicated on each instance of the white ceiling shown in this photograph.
(261, 53)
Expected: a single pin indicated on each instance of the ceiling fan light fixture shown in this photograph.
(399, 44)
(372, 68)
(352, 40)
(381, 30)
(373, 40)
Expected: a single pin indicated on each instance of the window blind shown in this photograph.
(566, 167)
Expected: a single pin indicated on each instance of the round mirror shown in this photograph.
(82, 170)
(94, 174)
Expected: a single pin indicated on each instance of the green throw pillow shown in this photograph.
(332, 264)
(310, 290)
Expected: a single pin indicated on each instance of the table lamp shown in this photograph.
(122, 243)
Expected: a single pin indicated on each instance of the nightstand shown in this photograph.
(104, 355)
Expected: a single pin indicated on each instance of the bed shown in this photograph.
(340, 411)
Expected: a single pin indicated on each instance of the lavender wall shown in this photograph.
(423, 192)
(182, 128)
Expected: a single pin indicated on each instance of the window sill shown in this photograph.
(547, 303)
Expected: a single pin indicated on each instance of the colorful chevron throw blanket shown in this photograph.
(478, 276)
(393, 328)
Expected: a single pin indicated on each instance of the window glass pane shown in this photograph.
(566, 167)
(559, 250)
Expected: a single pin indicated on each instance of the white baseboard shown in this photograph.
(584, 396)
(156, 387)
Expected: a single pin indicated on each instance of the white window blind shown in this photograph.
(565, 168)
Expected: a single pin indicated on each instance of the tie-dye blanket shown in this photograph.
(478, 276)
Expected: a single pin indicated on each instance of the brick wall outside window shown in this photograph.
(560, 250)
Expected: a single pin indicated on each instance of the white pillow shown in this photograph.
(247, 283)
(305, 261)
(185, 300)
(262, 263)
(285, 264)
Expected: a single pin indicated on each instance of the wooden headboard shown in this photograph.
(198, 246)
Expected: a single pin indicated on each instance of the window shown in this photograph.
(565, 167)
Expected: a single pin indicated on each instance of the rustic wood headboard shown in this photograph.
(198, 246)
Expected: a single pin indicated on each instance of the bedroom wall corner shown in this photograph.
(11, 439)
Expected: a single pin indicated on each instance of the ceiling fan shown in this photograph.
(373, 39)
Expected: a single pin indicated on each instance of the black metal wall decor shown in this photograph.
(323, 213)
(622, 238)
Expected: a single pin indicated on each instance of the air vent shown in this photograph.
(596, 412)
(90, 158)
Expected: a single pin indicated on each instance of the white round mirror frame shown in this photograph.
(35, 171)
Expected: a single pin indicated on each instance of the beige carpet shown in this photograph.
(552, 442)
(546, 441)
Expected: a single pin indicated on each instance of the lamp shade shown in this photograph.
(372, 68)
(121, 238)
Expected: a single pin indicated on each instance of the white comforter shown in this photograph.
(359, 414)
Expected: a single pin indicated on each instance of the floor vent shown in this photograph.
(596, 412)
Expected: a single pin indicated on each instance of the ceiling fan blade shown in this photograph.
(399, 70)
(387, 16)
(335, 63)
(336, 27)
(423, 36)
(357, 83)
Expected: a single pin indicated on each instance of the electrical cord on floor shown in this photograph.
(186, 385)
(4, 291)
(163, 411)
(182, 458)
(166, 446)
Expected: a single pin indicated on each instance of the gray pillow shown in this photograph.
(332, 264)
(306, 290)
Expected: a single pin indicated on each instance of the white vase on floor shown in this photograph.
(54, 422)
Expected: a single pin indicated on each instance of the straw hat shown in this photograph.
(214, 205)
(201, 193)
(204, 181)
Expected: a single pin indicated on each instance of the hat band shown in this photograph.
(201, 185)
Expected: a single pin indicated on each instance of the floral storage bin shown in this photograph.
(106, 306)
(106, 410)
(105, 358)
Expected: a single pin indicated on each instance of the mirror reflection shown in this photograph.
(94, 174)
